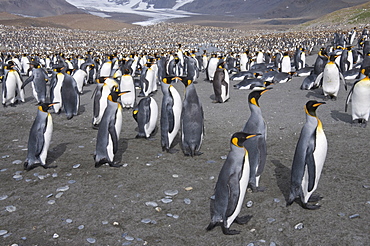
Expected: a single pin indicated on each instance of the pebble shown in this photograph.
(69, 174)
(54, 175)
(10, 208)
(104, 222)
(3, 170)
(166, 200)
(224, 157)
(187, 201)
(250, 244)
(63, 188)
(81, 146)
(55, 235)
(148, 164)
(175, 175)
(249, 204)
(366, 186)
(5, 156)
(41, 177)
(341, 214)
(158, 209)
(272, 244)
(146, 221)
(368, 202)
(3, 232)
(3, 197)
(211, 161)
(129, 238)
(171, 192)
(298, 226)
(277, 200)
(71, 181)
(69, 221)
(212, 178)
(80, 227)
(17, 162)
(152, 204)
(125, 165)
(76, 166)
(354, 216)
(188, 188)
(51, 202)
(28, 180)
(50, 195)
(175, 216)
(91, 240)
(18, 177)
(169, 215)
(126, 243)
(270, 220)
(59, 195)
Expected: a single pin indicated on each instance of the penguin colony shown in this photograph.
(257, 62)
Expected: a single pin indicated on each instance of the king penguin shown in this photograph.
(331, 77)
(101, 92)
(257, 146)
(192, 120)
(69, 95)
(221, 84)
(170, 113)
(39, 138)
(231, 186)
(39, 78)
(146, 116)
(109, 131)
(12, 85)
(359, 96)
(127, 84)
(309, 158)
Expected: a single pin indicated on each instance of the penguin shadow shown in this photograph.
(81, 109)
(340, 116)
(56, 152)
(282, 174)
(122, 147)
(315, 93)
(212, 97)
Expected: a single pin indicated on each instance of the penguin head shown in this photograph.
(366, 71)
(186, 81)
(114, 95)
(256, 94)
(239, 138)
(311, 107)
(44, 107)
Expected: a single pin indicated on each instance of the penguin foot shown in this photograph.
(13, 105)
(243, 220)
(315, 198)
(227, 231)
(311, 207)
(115, 165)
(4, 105)
(211, 226)
(172, 151)
(95, 126)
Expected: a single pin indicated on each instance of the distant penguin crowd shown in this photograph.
(129, 74)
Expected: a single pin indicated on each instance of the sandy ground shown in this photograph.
(108, 205)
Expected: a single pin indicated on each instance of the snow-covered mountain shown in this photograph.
(154, 10)
(162, 10)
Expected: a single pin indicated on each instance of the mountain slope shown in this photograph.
(38, 8)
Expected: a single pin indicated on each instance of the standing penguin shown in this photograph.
(221, 84)
(231, 186)
(212, 67)
(257, 146)
(285, 65)
(170, 113)
(12, 85)
(146, 115)
(127, 84)
(109, 131)
(101, 92)
(39, 79)
(39, 138)
(299, 58)
(331, 77)
(66, 85)
(309, 158)
(192, 120)
(359, 96)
